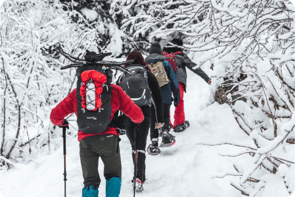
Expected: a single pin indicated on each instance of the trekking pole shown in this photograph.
(64, 147)
(135, 158)
(156, 116)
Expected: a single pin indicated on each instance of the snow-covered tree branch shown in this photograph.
(32, 82)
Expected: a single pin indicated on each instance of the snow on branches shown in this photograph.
(32, 82)
(250, 46)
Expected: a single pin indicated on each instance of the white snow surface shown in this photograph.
(185, 169)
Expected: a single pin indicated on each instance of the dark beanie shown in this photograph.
(156, 48)
(177, 41)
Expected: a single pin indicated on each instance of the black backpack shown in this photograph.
(91, 122)
(136, 85)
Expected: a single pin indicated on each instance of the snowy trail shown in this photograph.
(186, 169)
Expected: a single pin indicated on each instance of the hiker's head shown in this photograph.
(137, 58)
(177, 41)
(156, 48)
(174, 46)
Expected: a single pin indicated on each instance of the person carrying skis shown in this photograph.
(95, 145)
(182, 61)
(168, 83)
(137, 133)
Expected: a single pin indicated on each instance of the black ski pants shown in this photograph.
(107, 148)
(137, 135)
(166, 110)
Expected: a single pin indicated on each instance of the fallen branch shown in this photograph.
(227, 144)
(243, 192)
(29, 140)
(238, 154)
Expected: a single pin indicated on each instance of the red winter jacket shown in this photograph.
(120, 101)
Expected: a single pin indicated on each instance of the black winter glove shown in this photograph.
(65, 124)
(176, 103)
(121, 131)
(118, 123)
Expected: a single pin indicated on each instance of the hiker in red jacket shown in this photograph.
(182, 62)
(95, 145)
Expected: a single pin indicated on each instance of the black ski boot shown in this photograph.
(167, 139)
(181, 127)
(153, 149)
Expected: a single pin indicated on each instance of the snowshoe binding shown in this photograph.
(138, 185)
(167, 139)
(181, 127)
(153, 149)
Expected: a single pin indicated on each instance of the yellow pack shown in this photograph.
(159, 71)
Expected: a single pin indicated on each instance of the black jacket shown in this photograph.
(183, 61)
(157, 96)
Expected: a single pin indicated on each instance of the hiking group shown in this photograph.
(140, 101)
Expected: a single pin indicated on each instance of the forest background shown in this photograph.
(247, 46)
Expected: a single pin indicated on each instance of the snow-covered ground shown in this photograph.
(186, 169)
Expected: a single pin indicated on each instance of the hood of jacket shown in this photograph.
(155, 56)
(133, 66)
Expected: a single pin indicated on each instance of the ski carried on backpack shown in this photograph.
(91, 58)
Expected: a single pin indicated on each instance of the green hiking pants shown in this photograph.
(107, 148)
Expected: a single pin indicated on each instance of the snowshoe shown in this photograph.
(167, 140)
(164, 128)
(181, 127)
(153, 149)
(138, 185)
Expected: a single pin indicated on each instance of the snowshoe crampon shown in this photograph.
(153, 150)
(165, 145)
(138, 185)
(181, 127)
(167, 139)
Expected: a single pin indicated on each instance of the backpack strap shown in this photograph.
(164, 53)
(145, 74)
(178, 52)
